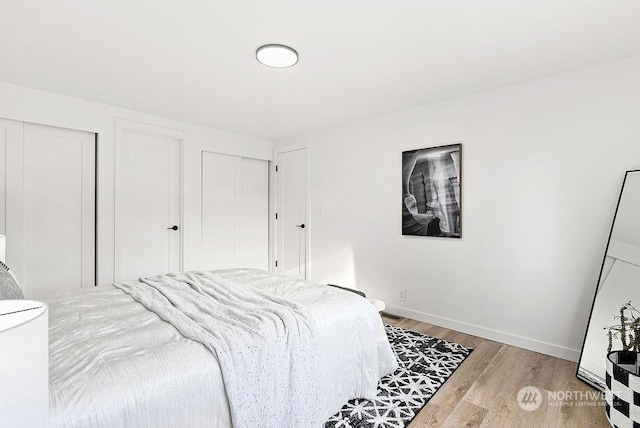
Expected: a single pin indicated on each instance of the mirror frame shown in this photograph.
(595, 296)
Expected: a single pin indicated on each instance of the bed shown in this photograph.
(115, 363)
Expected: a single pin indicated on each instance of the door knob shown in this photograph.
(174, 227)
(301, 226)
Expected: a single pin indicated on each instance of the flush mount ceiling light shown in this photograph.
(278, 56)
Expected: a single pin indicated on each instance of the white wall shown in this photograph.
(543, 163)
(24, 104)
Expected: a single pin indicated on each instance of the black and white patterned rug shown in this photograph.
(425, 364)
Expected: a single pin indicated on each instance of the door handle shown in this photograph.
(301, 226)
(174, 227)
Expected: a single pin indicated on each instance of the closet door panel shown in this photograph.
(11, 134)
(252, 237)
(59, 209)
(234, 212)
(218, 210)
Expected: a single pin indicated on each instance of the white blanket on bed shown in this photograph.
(113, 363)
(266, 345)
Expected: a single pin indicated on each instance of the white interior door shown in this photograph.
(50, 209)
(292, 221)
(148, 229)
(235, 205)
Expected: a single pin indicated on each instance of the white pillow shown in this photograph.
(9, 288)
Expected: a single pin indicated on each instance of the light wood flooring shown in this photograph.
(482, 392)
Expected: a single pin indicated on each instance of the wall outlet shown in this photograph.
(402, 295)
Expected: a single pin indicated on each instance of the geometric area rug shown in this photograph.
(425, 363)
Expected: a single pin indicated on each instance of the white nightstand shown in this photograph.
(378, 304)
(24, 363)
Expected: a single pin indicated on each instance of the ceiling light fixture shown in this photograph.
(278, 56)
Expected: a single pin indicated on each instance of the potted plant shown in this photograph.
(627, 329)
(623, 373)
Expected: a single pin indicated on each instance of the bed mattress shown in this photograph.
(114, 363)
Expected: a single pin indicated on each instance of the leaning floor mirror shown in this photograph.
(619, 282)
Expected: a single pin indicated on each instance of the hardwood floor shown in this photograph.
(483, 391)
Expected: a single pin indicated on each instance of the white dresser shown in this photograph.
(24, 364)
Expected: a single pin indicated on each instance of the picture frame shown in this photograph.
(432, 191)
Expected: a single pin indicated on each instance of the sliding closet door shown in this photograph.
(252, 211)
(148, 228)
(234, 212)
(51, 209)
(11, 136)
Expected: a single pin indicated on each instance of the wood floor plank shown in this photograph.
(423, 328)
(466, 415)
(513, 416)
(502, 377)
(483, 391)
(582, 413)
(454, 389)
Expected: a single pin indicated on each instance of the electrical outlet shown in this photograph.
(402, 295)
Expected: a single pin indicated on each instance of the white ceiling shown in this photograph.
(194, 60)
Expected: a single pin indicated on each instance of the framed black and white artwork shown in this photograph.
(431, 196)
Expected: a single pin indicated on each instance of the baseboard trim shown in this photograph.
(488, 333)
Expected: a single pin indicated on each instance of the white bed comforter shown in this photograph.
(114, 363)
(266, 345)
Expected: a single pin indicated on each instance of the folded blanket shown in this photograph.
(266, 345)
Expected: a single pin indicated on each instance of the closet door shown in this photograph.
(11, 133)
(50, 209)
(234, 212)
